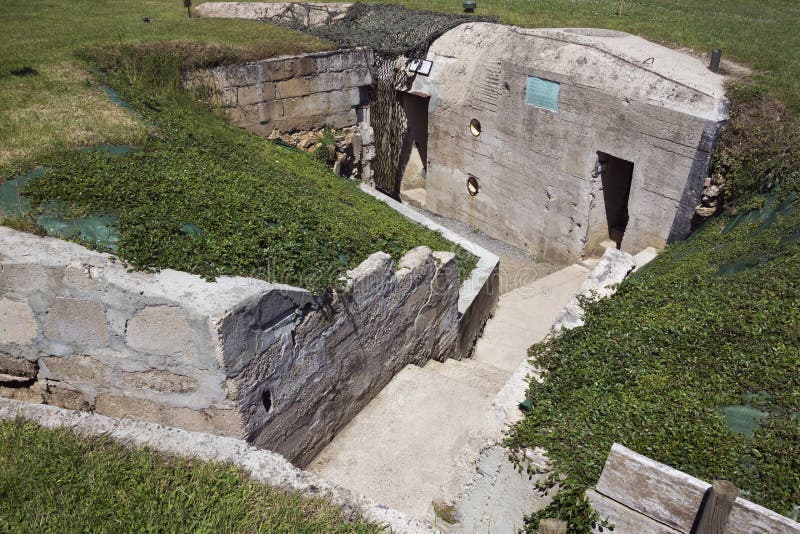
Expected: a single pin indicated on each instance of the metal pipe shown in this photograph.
(716, 56)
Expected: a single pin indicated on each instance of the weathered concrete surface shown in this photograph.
(423, 437)
(524, 317)
(499, 495)
(237, 356)
(138, 344)
(535, 166)
(336, 359)
(478, 294)
(263, 466)
(400, 446)
(309, 14)
(614, 266)
(292, 92)
(17, 324)
(485, 491)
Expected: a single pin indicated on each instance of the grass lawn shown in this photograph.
(54, 481)
(761, 34)
(695, 362)
(61, 106)
(254, 209)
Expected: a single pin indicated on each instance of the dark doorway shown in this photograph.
(414, 153)
(617, 175)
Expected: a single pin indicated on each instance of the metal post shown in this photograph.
(716, 56)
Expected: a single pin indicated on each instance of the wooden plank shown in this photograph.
(673, 497)
(625, 520)
(749, 518)
(656, 490)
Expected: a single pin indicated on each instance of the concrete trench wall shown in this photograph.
(293, 93)
(236, 357)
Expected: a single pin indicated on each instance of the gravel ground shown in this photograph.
(517, 267)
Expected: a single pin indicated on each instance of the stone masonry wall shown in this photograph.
(293, 92)
(238, 356)
(336, 358)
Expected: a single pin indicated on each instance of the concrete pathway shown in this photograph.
(400, 450)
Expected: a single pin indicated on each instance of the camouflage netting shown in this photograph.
(391, 31)
(388, 121)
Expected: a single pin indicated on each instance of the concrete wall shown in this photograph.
(78, 330)
(478, 294)
(337, 358)
(309, 14)
(293, 92)
(535, 166)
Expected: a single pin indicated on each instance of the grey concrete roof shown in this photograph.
(615, 63)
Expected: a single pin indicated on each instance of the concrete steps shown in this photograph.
(484, 377)
(413, 442)
(415, 197)
(399, 448)
(524, 317)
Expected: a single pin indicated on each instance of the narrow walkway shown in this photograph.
(517, 267)
(401, 448)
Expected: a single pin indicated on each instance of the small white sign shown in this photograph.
(420, 66)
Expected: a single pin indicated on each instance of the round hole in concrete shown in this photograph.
(266, 400)
(472, 185)
(475, 127)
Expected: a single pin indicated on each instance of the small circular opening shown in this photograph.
(475, 127)
(473, 186)
(266, 400)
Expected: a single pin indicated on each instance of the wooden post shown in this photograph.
(552, 526)
(621, 7)
(717, 507)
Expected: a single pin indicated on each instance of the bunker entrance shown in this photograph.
(616, 176)
(414, 152)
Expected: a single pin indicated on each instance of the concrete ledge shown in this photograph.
(264, 466)
(478, 294)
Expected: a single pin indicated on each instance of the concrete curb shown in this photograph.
(262, 465)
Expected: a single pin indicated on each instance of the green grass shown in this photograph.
(712, 322)
(262, 210)
(761, 34)
(54, 481)
(61, 106)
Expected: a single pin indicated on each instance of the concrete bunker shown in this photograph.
(526, 118)
(551, 140)
(579, 136)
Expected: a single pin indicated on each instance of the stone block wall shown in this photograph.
(238, 356)
(293, 92)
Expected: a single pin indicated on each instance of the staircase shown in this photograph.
(401, 450)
